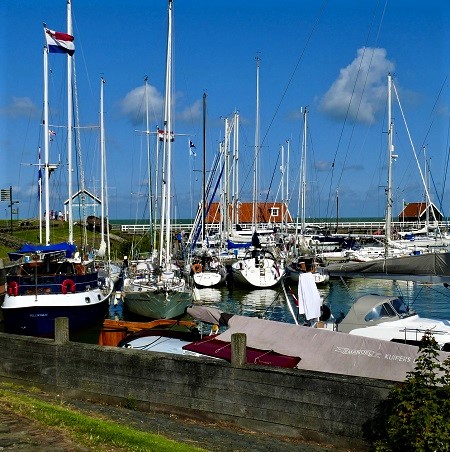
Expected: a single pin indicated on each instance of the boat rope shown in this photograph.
(291, 310)
(347, 288)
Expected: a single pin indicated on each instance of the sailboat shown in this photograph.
(259, 268)
(205, 264)
(304, 263)
(163, 294)
(53, 280)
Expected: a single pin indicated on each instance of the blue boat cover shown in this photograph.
(233, 245)
(68, 248)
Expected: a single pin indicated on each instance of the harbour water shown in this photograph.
(427, 300)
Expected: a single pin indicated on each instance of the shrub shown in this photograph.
(416, 414)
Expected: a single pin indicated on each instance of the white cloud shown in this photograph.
(133, 104)
(20, 107)
(360, 88)
(192, 112)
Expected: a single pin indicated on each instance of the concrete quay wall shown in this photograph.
(313, 406)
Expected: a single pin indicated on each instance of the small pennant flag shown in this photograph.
(191, 148)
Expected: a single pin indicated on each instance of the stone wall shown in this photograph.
(309, 405)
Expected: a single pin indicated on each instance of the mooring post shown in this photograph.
(238, 349)
(61, 330)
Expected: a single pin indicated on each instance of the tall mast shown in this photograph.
(69, 124)
(390, 158)
(204, 171)
(257, 144)
(236, 169)
(149, 182)
(166, 175)
(46, 151)
(303, 178)
(102, 168)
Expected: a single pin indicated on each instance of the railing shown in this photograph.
(346, 226)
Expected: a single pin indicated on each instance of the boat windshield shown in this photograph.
(381, 311)
(399, 305)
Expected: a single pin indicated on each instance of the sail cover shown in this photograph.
(68, 248)
(328, 351)
(428, 267)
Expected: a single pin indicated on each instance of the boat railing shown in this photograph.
(51, 283)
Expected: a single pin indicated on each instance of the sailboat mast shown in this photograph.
(168, 134)
(69, 124)
(46, 151)
(149, 181)
(303, 179)
(102, 164)
(390, 158)
(257, 144)
(204, 171)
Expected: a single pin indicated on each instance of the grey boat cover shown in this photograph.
(428, 267)
(328, 351)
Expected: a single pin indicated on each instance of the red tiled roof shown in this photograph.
(246, 211)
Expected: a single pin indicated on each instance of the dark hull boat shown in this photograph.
(49, 284)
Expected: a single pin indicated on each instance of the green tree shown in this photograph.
(416, 415)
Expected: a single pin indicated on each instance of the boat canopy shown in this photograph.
(68, 248)
(428, 267)
(234, 245)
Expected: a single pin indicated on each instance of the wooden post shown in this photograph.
(238, 349)
(61, 330)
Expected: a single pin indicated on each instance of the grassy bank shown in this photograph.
(93, 432)
(28, 232)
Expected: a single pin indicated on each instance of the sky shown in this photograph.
(330, 57)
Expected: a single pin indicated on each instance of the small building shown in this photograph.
(83, 199)
(267, 213)
(417, 212)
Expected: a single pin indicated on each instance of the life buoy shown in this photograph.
(68, 284)
(13, 288)
(197, 268)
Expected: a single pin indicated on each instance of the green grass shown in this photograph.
(59, 233)
(86, 430)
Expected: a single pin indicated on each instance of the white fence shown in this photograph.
(367, 226)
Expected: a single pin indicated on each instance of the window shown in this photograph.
(378, 312)
(274, 211)
(400, 306)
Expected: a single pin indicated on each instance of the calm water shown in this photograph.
(426, 300)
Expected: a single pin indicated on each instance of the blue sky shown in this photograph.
(332, 57)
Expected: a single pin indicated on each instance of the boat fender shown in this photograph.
(13, 288)
(326, 313)
(197, 268)
(68, 284)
